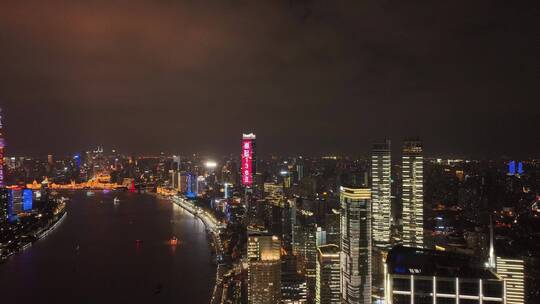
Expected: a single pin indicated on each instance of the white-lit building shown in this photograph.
(355, 245)
(328, 275)
(413, 194)
(381, 180)
(176, 180)
(264, 269)
(305, 247)
(513, 272)
(420, 276)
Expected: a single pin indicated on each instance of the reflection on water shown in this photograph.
(106, 253)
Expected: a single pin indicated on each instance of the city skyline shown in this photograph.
(269, 152)
(136, 78)
(288, 223)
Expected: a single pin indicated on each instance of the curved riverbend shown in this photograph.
(94, 255)
(213, 228)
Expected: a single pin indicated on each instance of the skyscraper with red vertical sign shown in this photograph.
(249, 167)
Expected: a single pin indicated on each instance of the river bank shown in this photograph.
(213, 228)
(40, 232)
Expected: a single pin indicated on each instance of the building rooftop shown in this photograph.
(416, 261)
(329, 250)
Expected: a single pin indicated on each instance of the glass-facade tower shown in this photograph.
(355, 245)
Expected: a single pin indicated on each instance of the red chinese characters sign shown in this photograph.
(247, 157)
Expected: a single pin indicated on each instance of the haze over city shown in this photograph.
(312, 77)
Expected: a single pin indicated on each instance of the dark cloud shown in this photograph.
(308, 76)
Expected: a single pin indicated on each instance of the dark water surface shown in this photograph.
(109, 266)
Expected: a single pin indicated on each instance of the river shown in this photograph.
(93, 256)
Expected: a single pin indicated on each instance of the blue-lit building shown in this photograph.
(520, 168)
(515, 168)
(14, 204)
(512, 168)
(191, 185)
(77, 160)
(27, 200)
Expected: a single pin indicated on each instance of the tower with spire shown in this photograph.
(491, 261)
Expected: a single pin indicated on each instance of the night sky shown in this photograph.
(307, 76)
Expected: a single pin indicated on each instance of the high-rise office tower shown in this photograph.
(300, 172)
(77, 161)
(305, 247)
(381, 180)
(249, 160)
(355, 245)
(27, 200)
(512, 270)
(264, 269)
(413, 194)
(201, 185)
(287, 224)
(176, 175)
(300, 169)
(378, 257)
(278, 218)
(328, 275)
(331, 226)
(320, 237)
(176, 180)
(293, 283)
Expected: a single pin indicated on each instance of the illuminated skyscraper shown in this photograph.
(513, 272)
(264, 269)
(355, 245)
(520, 168)
(201, 185)
(300, 171)
(293, 283)
(176, 180)
(381, 179)
(305, 247)
(249, 160)
(413, 194)
(176, 174)
(77, 160)
(191, 185)
(27, 200)
(332, 227)
(328, 275)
